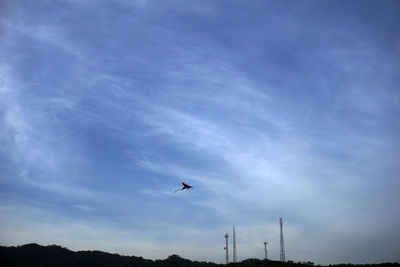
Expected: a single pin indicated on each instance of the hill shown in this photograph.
(36, 255)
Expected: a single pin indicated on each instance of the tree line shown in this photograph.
(33, 255)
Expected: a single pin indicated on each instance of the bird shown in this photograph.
(185, 186)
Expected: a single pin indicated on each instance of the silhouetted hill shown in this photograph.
(33, 255)
(36, 255)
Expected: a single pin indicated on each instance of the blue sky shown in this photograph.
(268, 108)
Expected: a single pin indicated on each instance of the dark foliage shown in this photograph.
(33, 255)
(36, 255)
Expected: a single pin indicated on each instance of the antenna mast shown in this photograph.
(234, 259)
(265, 249)
(226, 249)
(282, 255)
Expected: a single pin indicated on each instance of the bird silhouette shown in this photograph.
(185, 186)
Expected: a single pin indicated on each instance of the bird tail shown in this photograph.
(177, 190)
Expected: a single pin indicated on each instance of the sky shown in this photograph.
(268, 109)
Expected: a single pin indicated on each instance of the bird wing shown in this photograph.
(185, 185)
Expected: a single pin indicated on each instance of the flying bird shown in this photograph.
(185, 186)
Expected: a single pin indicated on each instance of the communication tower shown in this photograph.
(234, 259)
(226, 249)
(265, 249)
(282, 254)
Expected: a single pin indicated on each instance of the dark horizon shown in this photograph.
(34, 254)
